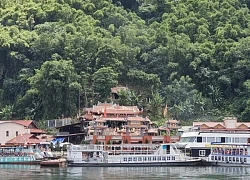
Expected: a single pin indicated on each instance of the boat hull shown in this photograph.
(230, 164)
(18, 160)
(156, 164)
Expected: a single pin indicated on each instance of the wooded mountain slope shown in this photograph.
(192, 55)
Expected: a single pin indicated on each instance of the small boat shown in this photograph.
(54, 163)
(128, 155)
(229, 154)
(17, 155)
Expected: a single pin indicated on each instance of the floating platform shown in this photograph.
(54, 163)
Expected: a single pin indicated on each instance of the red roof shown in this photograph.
(25, 123)
(24, 139)
(37, 131)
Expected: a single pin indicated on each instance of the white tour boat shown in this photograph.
(198, 144)
(223, 154)
(129, 155)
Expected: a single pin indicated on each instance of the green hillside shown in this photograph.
(192, 55)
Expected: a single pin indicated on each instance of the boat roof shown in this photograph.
(230, 144)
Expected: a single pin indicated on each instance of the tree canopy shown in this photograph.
(191, 55)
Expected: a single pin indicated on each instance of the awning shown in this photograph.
(57, 140)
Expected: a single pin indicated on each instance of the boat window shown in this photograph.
(163, 158)
(125, 159)
(159, 158)
(168, 158)
(243, 139)
(149, 158)
(228, 139)
(218, 139)
(210, 139)
(199, 139)
(7, 133)
(202, 152)
(237, 159)
(145, 159)
(226, 158)
(134, 159)
(219, 158)
(173, 158)
(222, 158)
(154, 158)
(223, 139)
(233, 158)
(245, 159)
(187, 139)
(212, 158)
(230, 158)
(130, 159)
(139, 159)
(215, 158)
(204, 139)
(237, 139)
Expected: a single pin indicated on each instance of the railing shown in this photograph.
(62, 133)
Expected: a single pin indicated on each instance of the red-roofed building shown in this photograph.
(110, 123)
(13, 128)
(23, 140)
(228, 124)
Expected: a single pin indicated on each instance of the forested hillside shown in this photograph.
(193, 55)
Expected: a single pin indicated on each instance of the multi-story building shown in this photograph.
(109, 123)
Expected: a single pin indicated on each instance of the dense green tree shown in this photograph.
(57, 87)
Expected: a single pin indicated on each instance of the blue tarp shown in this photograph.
(57, 140)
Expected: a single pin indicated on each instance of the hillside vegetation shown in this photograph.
(192, 55)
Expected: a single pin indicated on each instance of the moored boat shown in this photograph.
(128, 155)
(17, 155)
(233, 154)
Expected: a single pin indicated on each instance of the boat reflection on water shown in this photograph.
(30, 172)
(112, 173)
(19, 167)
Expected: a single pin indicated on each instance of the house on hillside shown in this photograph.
(115, 91)
(13, 128)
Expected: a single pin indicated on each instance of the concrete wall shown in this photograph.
(12, 128)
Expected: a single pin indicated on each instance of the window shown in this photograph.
(173, 158)
(168, 158)
(130, 159)
(125, 159)
(202, 152)
(204, 139)
(7, 133)
(139, 159)
(218, 139)
(134, 159)
(16, 133)
(210, 139)
(164, 158)
(199, 139)
(228, 139)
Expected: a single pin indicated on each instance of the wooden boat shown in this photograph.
(54, 163)
(128, 155)
(230, 154)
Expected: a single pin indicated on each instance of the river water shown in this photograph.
(28, 172)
